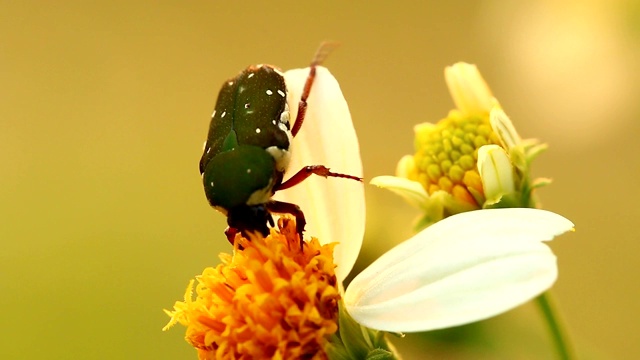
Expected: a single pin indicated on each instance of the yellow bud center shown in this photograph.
(447, 154)
(270, 299)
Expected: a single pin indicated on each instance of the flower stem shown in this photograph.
(555, 326)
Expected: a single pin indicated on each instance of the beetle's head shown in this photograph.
(251, 218)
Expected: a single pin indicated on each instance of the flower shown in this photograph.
(472, 159)
(468, 267)
(270, 299)
(328, 138)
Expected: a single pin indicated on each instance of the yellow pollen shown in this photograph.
(447, 154)
(270, 299)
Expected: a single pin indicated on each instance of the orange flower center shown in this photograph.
(270, 299)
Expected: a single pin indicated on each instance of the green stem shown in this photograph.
(547, 306)
(556, 328)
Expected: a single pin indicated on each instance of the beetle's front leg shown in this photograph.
(307, 171)
(282, 207)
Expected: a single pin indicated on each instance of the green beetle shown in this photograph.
(247, 149)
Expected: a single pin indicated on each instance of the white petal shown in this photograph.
(496, 172)
(334, 207)
(406, 166)
(502, 125)
(469, 91)
(411, 191)
(465, 268)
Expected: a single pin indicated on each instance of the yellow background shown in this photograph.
(104, 107)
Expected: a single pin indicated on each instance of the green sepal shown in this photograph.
(354, 341)
(423, 221)
(380, 354)
(540, 182)
(524, 153)
(511, 200)
(533, 148)
(519, 158)
(335, 349)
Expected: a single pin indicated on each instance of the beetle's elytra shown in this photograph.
(247, 149)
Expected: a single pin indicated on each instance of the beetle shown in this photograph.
(247, 150)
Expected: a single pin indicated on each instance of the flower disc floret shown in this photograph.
(447, 154)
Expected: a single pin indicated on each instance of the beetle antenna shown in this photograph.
(326, 47)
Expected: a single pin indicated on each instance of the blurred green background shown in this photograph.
(104, 107)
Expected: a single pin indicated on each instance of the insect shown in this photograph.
(248, 148)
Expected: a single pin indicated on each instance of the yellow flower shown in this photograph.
(472, 159)
(467, 267)
(270, 299)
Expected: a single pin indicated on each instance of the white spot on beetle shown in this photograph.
(248, 171)
(258, 130)
(247, 105)
(269, 92)
(223, 114)
(250, 76)
(284, 117)
(281, 156)
(204, 145)
(273, 122)
(213, 114)
(281, 93)
(211, 183)
(263, 195)
(230, 83)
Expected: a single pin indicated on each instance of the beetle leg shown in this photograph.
(282, 207)
(321, 54)
(231, 232)
(307, 171)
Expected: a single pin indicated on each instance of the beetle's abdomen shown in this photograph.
(254, 105)
(242, 176)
